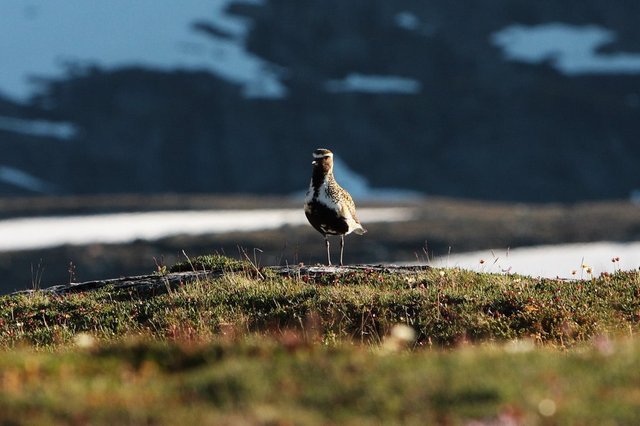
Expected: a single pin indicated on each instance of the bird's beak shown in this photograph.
(314, 162)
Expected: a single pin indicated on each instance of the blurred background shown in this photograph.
(479, 126)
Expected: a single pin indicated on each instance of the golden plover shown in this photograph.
(328, 207)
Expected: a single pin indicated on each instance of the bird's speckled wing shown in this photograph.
(349, 206)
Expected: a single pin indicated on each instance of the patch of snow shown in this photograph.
(571, 49)
(356, 184)
(407, 20)
(44, 128)
(23, 180)
(237, 26)
(359, 187)
(355, 82)
(550, 261)
(39, 37)
(32, 233)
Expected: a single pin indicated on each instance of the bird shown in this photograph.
(328, 207)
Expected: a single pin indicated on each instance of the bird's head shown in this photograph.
(322, 159)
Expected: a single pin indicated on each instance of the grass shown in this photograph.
(255, 347)
(264, 381)
(211, 262)
(444, 307)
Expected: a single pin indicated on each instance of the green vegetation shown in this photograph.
(444, 307)
(211, 262)
(265, 381)
(252, 346)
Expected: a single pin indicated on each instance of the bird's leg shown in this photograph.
(341, 247)
(326, 241)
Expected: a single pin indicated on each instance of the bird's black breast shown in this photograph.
(326, 220)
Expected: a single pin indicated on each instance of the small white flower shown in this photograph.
(84, 340)
(547, 407)
(403, 333)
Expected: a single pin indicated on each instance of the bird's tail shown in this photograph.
(359, 230)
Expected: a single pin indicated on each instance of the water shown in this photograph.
(550, 261)
(43, 232)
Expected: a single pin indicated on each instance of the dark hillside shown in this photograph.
(477, 126)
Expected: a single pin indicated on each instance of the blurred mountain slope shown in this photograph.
(472, 123)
